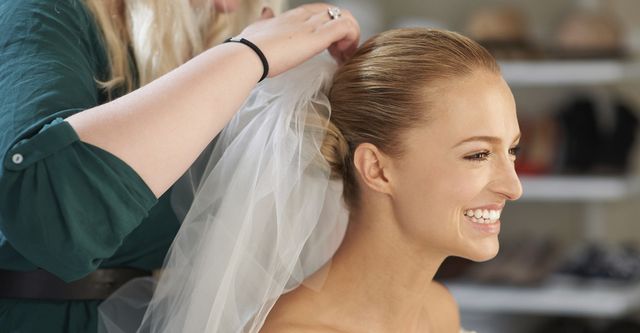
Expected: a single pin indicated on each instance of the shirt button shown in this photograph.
(17, 158)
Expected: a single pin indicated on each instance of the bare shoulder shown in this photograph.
(296, 328)
(443, 309)
(294, 313)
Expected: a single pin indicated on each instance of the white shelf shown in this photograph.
(569, 72)
(557, 297)
(578, 188)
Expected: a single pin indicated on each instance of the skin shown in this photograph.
(410, 218)
(161, 128)
(226, 6)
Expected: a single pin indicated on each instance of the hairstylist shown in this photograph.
(104, 104)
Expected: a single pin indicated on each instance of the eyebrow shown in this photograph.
(484, 138)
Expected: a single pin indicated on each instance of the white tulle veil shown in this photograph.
(265, 215)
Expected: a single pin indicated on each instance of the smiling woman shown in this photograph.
(424, 131)
(334, 195)
(435, 130)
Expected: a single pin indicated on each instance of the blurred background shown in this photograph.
(570, 257)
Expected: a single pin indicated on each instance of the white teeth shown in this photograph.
(485, 216)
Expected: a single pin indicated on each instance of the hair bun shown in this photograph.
(335, 149)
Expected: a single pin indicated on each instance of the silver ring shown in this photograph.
(334, 12)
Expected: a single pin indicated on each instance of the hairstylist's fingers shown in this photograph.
(342, 33)
(342, 54)
(318, 7)
(345, 35)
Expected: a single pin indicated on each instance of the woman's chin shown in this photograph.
(483, 251)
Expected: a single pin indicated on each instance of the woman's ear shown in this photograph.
(372, 167)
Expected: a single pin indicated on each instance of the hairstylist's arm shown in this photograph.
(161, 128)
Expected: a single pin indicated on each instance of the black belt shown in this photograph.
(40, 284)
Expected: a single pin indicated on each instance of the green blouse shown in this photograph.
(65, 206)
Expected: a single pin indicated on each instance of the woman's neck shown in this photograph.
(378, 277)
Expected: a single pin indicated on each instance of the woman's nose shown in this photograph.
(507, 182)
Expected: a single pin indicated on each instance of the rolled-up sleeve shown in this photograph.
(65, 205)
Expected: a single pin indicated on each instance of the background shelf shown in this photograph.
(578, 188)
(557, 297)
(569, 72)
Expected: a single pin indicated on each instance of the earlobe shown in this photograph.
(370, 164)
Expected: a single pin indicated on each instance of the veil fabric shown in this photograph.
(265, 215)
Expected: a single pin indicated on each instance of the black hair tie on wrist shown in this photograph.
(265, 64)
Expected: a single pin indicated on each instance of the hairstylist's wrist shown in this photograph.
(249, 64)
(256, 50)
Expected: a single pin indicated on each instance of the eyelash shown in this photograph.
(515, 151)
(484, 155)
(479, 157)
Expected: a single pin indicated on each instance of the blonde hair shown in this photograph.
(384, 90)
(162, 34)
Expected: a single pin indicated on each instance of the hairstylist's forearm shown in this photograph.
(161, 128)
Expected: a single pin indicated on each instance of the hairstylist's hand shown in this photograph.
(291, 38)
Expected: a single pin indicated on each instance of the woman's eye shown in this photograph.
(481, 156)
(515, 151)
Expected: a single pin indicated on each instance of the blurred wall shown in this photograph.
(543, 15)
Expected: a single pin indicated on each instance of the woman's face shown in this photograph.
(460, 163)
